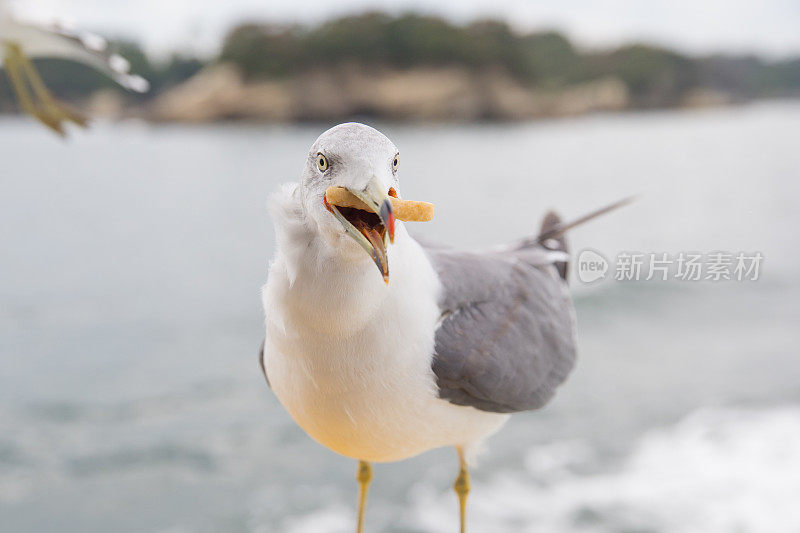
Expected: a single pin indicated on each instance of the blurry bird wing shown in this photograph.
(56, 42)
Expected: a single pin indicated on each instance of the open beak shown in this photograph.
(373, 230)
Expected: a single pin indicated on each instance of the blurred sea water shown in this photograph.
(131, 258)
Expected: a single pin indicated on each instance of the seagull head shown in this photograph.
(364, 161)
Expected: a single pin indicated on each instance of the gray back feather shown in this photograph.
(507, 334)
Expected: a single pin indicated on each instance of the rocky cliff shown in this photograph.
(220, 92)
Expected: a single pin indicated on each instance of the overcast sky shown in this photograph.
(766, 27)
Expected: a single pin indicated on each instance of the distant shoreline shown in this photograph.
(220, 93)
(413, 67)
(110, 106)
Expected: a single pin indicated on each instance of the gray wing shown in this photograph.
(507, 334)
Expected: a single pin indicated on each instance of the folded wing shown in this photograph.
(506, 339)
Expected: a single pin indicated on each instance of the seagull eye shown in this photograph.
(395, 163)
(322, 162)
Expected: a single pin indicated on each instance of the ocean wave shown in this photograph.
(718, 470)
(188, 434)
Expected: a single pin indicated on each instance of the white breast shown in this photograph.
(350, 358)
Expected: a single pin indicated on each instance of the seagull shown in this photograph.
(437, 350)
(20, 41)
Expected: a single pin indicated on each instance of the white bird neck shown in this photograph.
(335, 289)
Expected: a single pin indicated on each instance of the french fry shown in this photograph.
(407, 210)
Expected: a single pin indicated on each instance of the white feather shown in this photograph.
(350, 357)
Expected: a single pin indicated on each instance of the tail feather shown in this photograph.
(556, 243)
(561, 228)
(552, 234)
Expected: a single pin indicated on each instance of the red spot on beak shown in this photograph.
(390, 229)
(387, 217)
